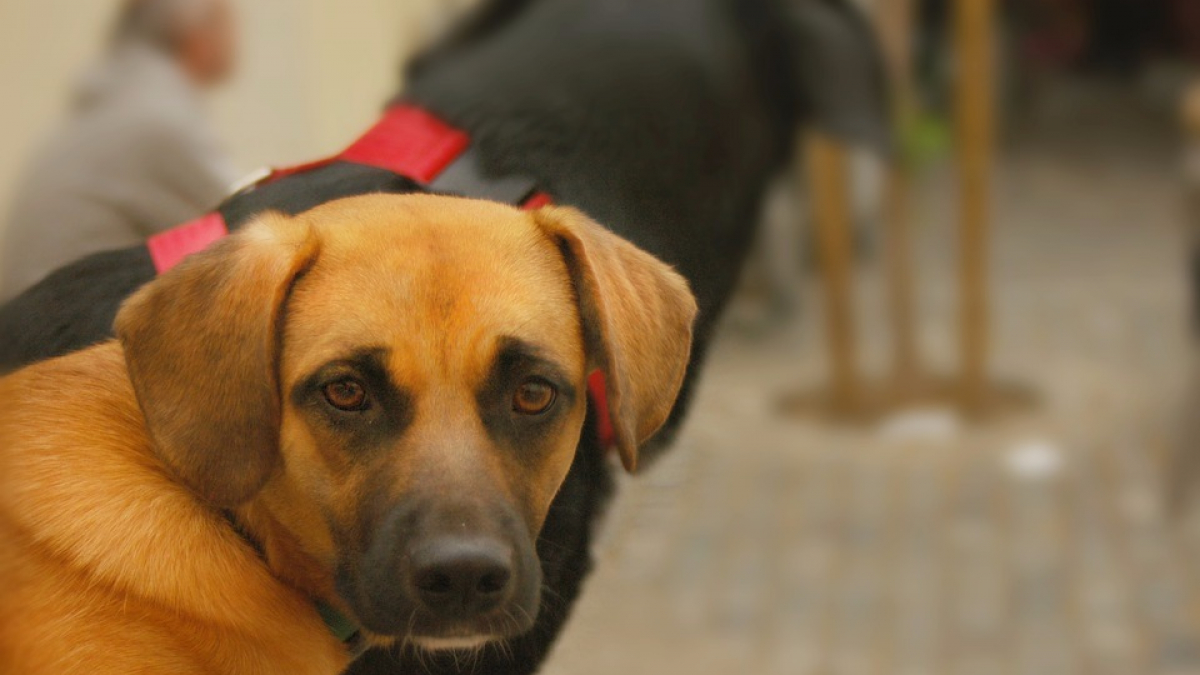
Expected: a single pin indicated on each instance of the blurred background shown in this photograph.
(972, 476)
(309, 76)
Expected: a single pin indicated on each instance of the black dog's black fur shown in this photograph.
(662, 119)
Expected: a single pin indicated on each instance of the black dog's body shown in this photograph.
(662, 119)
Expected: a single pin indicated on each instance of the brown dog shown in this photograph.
(368, 406)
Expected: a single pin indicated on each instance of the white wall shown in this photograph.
(313, 72)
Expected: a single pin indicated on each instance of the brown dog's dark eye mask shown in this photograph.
(520, 375)
(517, 364)
(385, 414)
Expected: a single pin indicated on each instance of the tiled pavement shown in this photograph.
(1038, 544)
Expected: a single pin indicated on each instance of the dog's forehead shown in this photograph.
(442, 277)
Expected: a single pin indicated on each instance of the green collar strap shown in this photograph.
(339, 626)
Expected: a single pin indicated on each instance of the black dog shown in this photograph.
(662, 119)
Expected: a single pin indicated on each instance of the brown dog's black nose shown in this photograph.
(459, 577)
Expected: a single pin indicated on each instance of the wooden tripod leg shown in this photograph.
(974, 38)
(827, 169)
(905, 360)
(895, 21)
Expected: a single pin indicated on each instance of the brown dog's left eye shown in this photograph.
(347, 395)
(534, 397)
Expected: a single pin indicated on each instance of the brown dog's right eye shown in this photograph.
(346, 395)
(534, 397)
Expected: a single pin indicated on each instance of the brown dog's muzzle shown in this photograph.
(445, 568)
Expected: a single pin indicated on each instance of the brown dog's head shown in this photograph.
(400, 383)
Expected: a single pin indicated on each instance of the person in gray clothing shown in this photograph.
(136, 155)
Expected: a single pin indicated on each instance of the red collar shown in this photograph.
(410, 142)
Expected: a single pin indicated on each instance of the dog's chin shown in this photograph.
(462, 640)
(452, 644)
(431, 634)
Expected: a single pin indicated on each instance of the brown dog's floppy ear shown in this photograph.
(201, 345)
(637, 318)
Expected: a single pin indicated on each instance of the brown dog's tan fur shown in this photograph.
(115, 462)
(115, 567)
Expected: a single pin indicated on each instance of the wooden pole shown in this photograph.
(1190, 116)
(895, 20)
(1182, 468)
(974, 34)
(831, 215)
(906, 365)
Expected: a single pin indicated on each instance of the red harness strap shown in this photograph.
(168, 248)
(598, 392)
(407, 141)
(410, 142)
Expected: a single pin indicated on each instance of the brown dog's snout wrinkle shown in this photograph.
(461, 576)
